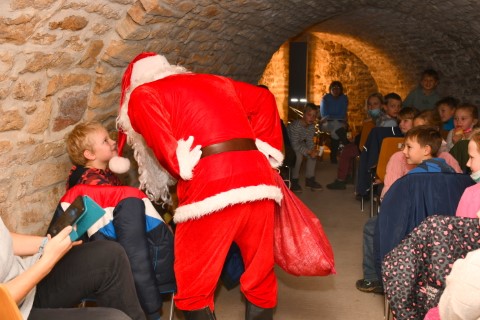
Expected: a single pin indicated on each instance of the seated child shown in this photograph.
(469, 205)
(391, 108)
(446, 109)
(301, 133)
(461, 235)
(465, 119)
(384, 115)
(371, 149)
(90, 148)
(374, 106)
(460, 298)
(453, 303)
(421, 145)
(397, 166)
(425, 95)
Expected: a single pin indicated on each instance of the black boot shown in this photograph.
(311, 183)
(200, 314)
(295, 187)
(256, 313)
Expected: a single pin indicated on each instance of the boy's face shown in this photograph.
(473, 156)
(392, 107)
(103, 148)
(310, 116)
(405, 125)
(414, 152)
(428, 83)
(446, 112)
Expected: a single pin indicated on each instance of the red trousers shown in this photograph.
(349, 152)
(201, 246)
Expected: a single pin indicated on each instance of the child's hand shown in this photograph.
(313, 153)
(456, 138)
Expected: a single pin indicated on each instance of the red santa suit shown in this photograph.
(227, 194)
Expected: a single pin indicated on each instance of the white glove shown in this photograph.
(187, 159)
(274, 156)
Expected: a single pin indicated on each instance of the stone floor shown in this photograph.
(312, 298)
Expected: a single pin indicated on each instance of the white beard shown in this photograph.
(154, 179)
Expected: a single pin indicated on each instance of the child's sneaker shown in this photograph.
(337, 185)
(314, 185)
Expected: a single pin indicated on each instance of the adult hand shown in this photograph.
(58, 246)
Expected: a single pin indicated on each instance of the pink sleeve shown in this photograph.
(397, 167)
(451, 161)
(432, 314)
(469, 203)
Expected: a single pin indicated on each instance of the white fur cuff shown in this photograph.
(274, 156)
(187, 159)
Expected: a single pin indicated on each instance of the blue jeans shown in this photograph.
(369, 272)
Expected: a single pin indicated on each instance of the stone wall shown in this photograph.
(275, 77)
(61, 62)
(330, 61)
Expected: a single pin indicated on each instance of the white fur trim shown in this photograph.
(187, 159)
(150, 69)
(154, 179)
(274, 156)
(119, 164)
(219, 201)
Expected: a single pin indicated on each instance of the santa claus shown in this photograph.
(219, 139)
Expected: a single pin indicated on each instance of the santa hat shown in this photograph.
(119, 164)
(144, 68)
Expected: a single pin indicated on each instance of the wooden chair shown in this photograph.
(389, 146)
(8, 307)
(366, 128)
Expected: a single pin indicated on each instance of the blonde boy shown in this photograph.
(90, 149)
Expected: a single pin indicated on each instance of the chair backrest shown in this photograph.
(390, 145)
(366, 128)
(8, 307)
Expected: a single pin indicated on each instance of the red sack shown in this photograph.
(301, 247)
